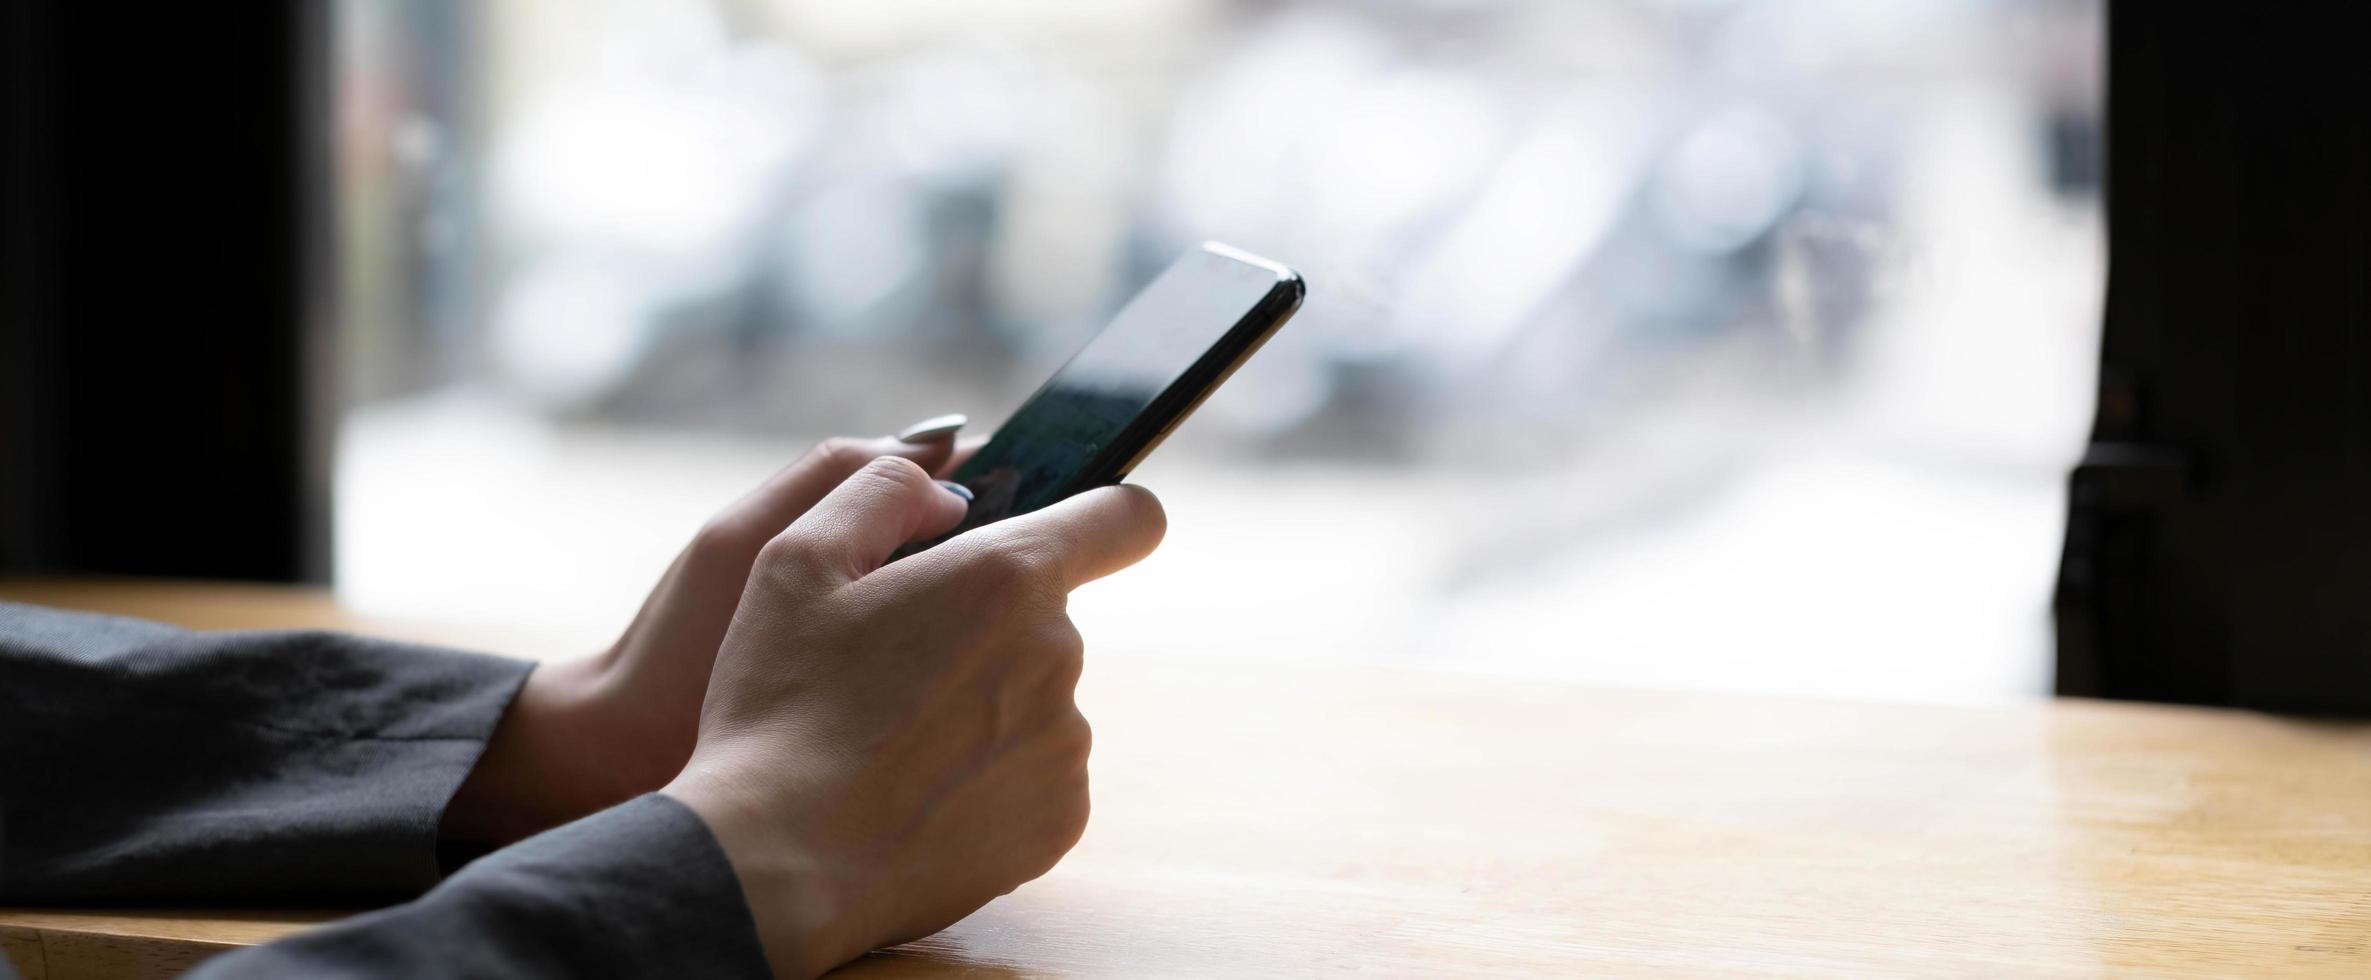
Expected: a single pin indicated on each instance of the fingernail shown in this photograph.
(957, 489)
(932, 429)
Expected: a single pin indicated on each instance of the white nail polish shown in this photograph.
(933, 429)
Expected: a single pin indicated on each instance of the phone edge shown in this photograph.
(1290, 287)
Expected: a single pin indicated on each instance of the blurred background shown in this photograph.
(1739, 344)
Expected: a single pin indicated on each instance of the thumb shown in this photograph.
(853, 529)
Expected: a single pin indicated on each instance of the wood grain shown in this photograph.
(1266, 818)
(129, 943)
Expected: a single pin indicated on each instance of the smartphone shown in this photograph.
(1115, 400)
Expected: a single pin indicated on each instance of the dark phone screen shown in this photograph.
(1154, 342)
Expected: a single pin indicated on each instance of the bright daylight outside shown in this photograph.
(1736, 344)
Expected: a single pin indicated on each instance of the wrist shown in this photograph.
(540, 767)
(804, 923)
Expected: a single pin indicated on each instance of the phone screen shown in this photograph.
(1164, 349)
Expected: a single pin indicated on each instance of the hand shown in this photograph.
(885, 749)
(589, 733)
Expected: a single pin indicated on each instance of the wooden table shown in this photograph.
(1269, 818)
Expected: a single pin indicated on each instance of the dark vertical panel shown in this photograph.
(164, 171)
(2218, 549)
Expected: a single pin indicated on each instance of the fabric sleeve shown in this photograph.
(146, 763)
(638, 890)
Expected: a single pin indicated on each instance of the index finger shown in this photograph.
(765, 511)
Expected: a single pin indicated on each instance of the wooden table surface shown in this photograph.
(1275, 818)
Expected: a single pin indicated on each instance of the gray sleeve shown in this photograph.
(145, 763)
(638, 890)
(149, 764)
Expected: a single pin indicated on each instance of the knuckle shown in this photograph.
(886, 476)
(789, 556)
(1034, 566)
(1064, 807)
(725, 533)
(1073, 827)
(1005, 587)
(1071, 820)
(1083, 735)
(1065, 655)
(894, 470)
(1010, 570)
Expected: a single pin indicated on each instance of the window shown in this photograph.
(1698, 343)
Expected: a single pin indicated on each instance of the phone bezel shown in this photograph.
(1176, 403)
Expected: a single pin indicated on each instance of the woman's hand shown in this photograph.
(589, 733)
(885, 749)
